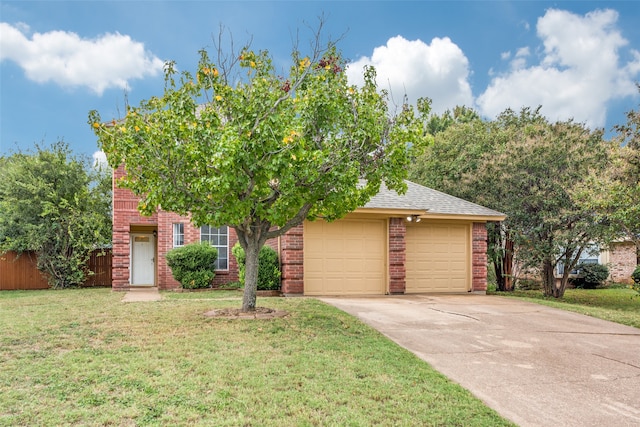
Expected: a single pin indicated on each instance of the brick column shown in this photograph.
(479, 257)
(292, 259)
(125, 213)
(623, 260)
(397, 256)
(165, 244)
(120, 254)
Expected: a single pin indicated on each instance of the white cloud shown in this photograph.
(439, 70)
(520, 59)
(578, 74)
(100, 160)
(109, 61)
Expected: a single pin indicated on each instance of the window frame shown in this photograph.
(219, 247)
(178, 232)
(590, 255)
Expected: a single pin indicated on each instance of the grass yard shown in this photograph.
(620, 305)
(82, 357)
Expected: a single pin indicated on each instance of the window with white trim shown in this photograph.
(178, 234)
(218, 237)
(590, 255)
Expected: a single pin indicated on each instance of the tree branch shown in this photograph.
(295, 221)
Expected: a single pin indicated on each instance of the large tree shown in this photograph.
(615, 194)
(56, 204)
(242, 144)
(528, 168)
(462, 143)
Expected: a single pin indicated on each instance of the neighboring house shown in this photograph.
(620, 256)
(622, 259)
(422, 241)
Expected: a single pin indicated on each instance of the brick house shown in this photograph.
(620, 256)
(422, 241)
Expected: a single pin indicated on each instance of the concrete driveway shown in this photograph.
(536, 366)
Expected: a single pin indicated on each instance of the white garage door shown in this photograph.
(345, 257)
(438, 257)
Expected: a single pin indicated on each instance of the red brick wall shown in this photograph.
(397, 255)
(125, 214)
(292, 259)
(165, 244)
(479, 257)
(622, 261)
(191, 235)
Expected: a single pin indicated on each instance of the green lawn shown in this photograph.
(620, 305)
(82, 357)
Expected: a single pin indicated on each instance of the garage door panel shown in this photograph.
(346, 257)
(438, 257)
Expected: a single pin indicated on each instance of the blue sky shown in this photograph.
(60, 59)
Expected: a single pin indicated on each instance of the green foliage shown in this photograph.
(460, 114)
(241, 259)
(529, 168)
(591, 275)
(244, 144)
(636, 275)
(56, 204)
(615, 193)
(636, 279)
(193, 265)
(268, 267)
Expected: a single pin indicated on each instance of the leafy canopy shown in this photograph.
(527, 167)
(230, 151)
(615, 194)
(56, 204)
(237, 143)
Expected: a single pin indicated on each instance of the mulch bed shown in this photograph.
(236, 313)
(258, 293)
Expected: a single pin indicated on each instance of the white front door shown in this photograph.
(143, 270)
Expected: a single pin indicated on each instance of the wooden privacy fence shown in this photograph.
(21, 272)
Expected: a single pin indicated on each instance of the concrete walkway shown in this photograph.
(142, 294)
(535, 365)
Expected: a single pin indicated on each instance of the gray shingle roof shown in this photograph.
(419, 197)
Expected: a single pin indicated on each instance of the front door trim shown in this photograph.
(143, 259)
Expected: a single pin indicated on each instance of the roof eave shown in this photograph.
(464, 217)
(390, 211)
(429, 215)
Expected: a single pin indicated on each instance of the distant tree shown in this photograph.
(56, 204)
(460, 114)
(238, 143)
(615, 194)
(541, 164)
(461, 145)
(525, 166)
(456, 150)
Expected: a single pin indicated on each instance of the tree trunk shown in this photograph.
(497, 267)
(549, 280)
(504, 266)
(507, 263)
(251, 237)
(503, 263)
(250, 275)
